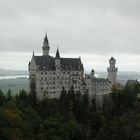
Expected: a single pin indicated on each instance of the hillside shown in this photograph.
(4, 72)
(15, 85)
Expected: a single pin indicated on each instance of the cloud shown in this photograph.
(77, 26)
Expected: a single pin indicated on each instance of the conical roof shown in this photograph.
(57, 54)
(46, 41)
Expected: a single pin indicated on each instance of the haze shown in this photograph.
(92, 29)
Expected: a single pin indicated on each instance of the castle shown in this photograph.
(51, 74)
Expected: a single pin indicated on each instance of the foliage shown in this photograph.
(59, 129)
(71, 117)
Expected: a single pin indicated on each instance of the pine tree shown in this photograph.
(9, 96)
(33, 95)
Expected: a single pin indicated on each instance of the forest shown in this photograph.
(71, 117)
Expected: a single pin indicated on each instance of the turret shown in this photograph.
(112, 71)
(57, 60)
(58, 72)
(112, 62)
(46, 46)
(92, 74)
(57, 56)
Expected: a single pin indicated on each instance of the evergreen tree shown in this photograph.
(22, 99)
(33, 95)
(9, 96)
(2, 98)
(63, 102)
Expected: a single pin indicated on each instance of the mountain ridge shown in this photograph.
(4, 72)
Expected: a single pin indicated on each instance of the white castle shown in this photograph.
(51, 74)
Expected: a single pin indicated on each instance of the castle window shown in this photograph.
(45, 78)
(41, 72)
(53, 72)
(45, 72)
(41, 78)
(54, 92)
(63, 72)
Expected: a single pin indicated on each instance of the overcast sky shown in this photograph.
(92, 29)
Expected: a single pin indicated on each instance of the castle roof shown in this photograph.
(48, 63)
(97, 79)
(57, 54)
(45, 62)
(100, 80)
(112, 59)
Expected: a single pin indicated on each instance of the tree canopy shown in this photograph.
(71, 117)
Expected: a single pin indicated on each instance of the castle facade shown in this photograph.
(51, 74)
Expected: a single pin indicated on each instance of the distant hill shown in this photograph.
(4, 72)
(122, 76)
(16, 85)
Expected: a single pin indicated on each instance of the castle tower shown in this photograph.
(46, 46)
(112, 71)
(57, 60)
(92, 74)
(58, 73)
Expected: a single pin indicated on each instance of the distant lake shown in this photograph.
(22, 76)
(13, 77)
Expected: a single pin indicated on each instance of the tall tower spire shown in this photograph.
(112, 71)
(57, 54)
(46, 46)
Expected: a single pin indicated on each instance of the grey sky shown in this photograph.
(94, 27)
